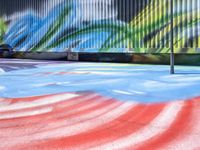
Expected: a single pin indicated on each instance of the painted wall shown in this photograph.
(100, 25)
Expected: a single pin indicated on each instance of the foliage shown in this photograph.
(2, 30)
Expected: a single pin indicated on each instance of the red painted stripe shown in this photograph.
(107, 132)
(57, 105)
(138, 117)
(35, 119)
(59, 116)
(177, 129)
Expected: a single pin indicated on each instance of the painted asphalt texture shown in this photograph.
(65, 105)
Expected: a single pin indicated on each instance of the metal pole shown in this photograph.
(172, 40)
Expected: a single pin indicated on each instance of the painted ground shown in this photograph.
(63, 105)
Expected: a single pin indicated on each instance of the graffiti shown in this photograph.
(102, 26)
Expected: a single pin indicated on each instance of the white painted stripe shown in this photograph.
(26, 114)
(189, 137)
(189, 142)
(159, 125)
(122, 92)
(38, 102)
(2, 88)
(103, 73)
(1, 71)
(138, 92)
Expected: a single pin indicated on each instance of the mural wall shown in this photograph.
(141, 26)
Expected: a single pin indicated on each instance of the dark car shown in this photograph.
(5, 50)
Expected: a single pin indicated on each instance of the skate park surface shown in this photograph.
(79, 105)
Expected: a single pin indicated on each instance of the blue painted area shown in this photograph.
(143, 83)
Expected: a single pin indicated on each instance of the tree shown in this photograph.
(2, 30)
